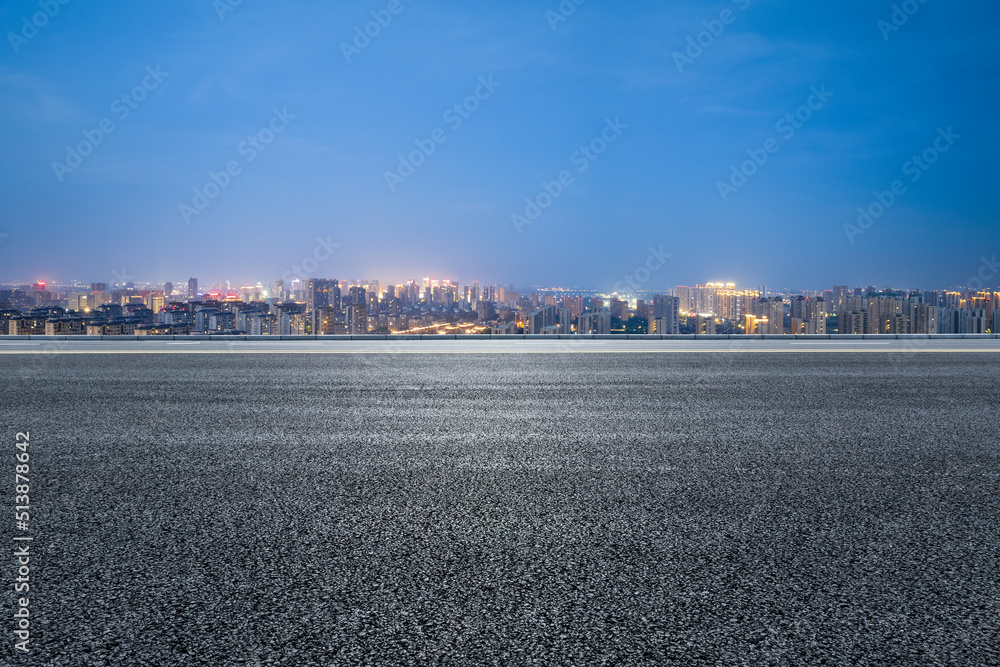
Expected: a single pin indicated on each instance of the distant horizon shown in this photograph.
(212, 285)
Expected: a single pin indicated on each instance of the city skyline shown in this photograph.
(985, 276)
(327, 306)
(643, 278)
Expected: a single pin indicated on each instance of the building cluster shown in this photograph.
(331, 307)
(842, 310)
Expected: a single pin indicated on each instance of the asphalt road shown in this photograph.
(607, 508)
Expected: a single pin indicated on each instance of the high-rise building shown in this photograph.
(817, 312)
(595, 322)
(684, 296)
(357, 319)
(292, 323)
(799, 307)
(776, 315)
(324, 320)
(704, 324)
(78, 301)
(644, 309)
(667, 309)
(974, 321)
(533, 322)
(818, 308)
(619, 309)
(537, 320)
(322, 293)
(566, 321)
(949, 320)
(192, 288)
(924, 320)
(808, 315)
(839, 304)
(201, 318)
(602, 323)
(222, 321)
(484, 310)
(262, 324)
(703, 300)
(754, 324)
(768, 316)
(549, 314)
(357, 295)
(574, 304)
(856, 322)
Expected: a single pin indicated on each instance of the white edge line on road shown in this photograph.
(488, 352)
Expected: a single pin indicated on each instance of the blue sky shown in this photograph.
(656, 185)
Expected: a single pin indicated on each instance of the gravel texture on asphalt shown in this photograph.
(689, 509)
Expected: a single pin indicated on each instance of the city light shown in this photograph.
(448, 307)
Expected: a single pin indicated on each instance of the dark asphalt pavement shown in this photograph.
(688, 509)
